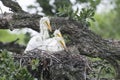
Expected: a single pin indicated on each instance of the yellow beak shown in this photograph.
(64, 46)
(59, 35)
(49, 27)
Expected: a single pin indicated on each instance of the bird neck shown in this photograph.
(44, 32)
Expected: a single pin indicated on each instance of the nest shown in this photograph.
(54, 66)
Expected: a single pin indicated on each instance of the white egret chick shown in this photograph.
(36, 40)
(54, 44)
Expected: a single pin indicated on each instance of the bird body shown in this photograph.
(54, 44)
(36, 40)
(33, 43)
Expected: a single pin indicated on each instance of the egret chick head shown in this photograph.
(59, 38)
(46, 22)
(57, 33)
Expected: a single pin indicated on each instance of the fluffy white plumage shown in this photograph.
(36, 40)
(54, 44)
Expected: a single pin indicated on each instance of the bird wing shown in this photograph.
(33, 43)
(51, 44)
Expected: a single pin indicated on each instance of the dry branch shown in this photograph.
(12, 46)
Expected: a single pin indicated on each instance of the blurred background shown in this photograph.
(106, 24)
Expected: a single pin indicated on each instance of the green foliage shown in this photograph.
(84, 16)
(101, 69)
(106, 25)
(12, 70)
(52, 9)
(6, 36)
(35, 63)
(47, 8)
(66, 11)
(62, 3)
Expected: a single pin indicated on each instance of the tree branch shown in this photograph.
(14, 6)
(13, 47)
